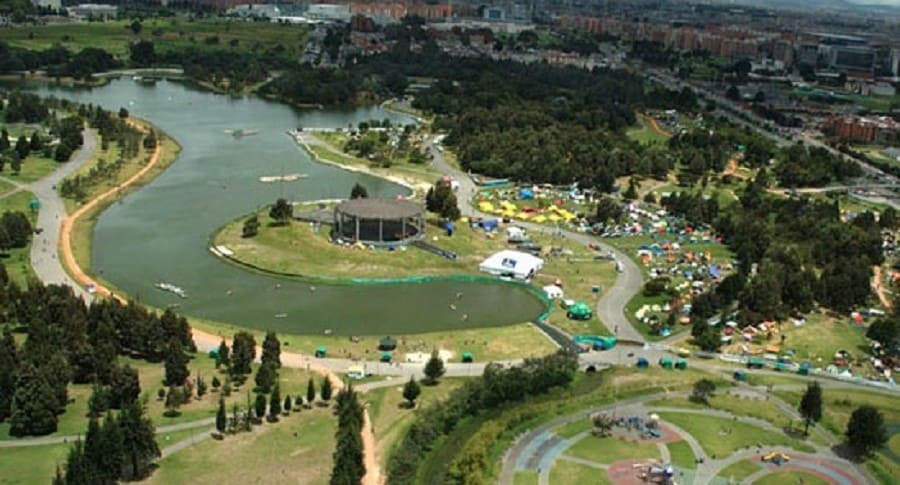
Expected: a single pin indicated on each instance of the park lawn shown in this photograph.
(72, 422)
(884, 468)
(644, 134)
(168, 33)
(839, 404)
(525, 477)
(18, 260)
(720, 437)
(682, 455)
(781, 478)
(486, 344)
(822, 336)
(568, 472)
(755, 379)
(32, 464)
(626, 379)
(83, 229)
(295, 450)
(611, 449)
(391, 419)
(738, 471)
(33, 168)
(755, 408)
(570, 430)
(894, 443)
(172, 437)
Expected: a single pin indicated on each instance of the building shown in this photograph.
(855, 58)
(51, 4)
(380, 222)
(92, 11)
(329, 12)
(514, 264)
(876, 129)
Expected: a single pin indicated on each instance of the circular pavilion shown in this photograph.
(379, 221)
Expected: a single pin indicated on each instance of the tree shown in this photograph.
(703, 390)
(142, 52)
(265, 377)
(221, 418)
(310, 392)
(123, 113)
(325, 393)
(434, 368)
(811, 405)
(281, 212)
(223, 357)
(76, 468)
(201, 386)
(359, 192)
(271, 350)
(348, 467)
(23, 148)
(216, 384)
(34, 403)
(243, 351)
(259, 407)
(176, 364)
(411, 391)
(9, 362)
(865, 430)
(631, 192)
(733, 93)
(124, 386)
(888, 219)
(608, 210)
(136, 27)
(16, 164)
(139, 441)
(287, 404)
(35, 143)
(709, 339)
(885, 331)
(450, 208)
(174, 400)
(275, 403)
(251, 227)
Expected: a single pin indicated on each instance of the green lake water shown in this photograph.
(161, 232)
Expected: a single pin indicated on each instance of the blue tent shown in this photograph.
(714, 270)
(449, 227)
(490, 224)
(526, 194)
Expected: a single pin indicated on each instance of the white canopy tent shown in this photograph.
(512, 263)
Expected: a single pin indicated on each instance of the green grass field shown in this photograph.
(782, 478)
(525, 477)
(682, 455)
(645, 135)
(736, 472)
(296, 450)
(168, 34)
(721, 437)
(755, 408)
(840, 404)
(570, 430)
(568, 472)
(390, 418)
(610, 450)
(31, 464)
(18, 260)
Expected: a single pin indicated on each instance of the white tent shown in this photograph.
(553, 292)
(512, 263)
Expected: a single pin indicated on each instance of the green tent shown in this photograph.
(386, 357)
(321, 351)
(579, 311)
(467, 357)
(756, 362)
(214, 354)
(804, 369)
(681, 364)
(387, 343)
(34, 205)
(665, 362)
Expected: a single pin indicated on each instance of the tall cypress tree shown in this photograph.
(138, 438)
(348, 468)
(176, 364)
(224, 355)
(265, 376)
(271, 350)
(93, 452)
(221, 418)
(275, 403)
(76, 468)
(310, 392)
(34, 404)
(9, 362)
(110, 461)
(243, 351)
(124, 386)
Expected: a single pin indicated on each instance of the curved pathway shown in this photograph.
(610, 306)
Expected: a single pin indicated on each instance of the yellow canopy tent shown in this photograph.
(485, 207)
(539, 219)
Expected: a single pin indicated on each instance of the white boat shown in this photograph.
(171, 288)
(281, 315)
(291, 177)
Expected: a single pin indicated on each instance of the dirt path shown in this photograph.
(879, 288)
(655, 126)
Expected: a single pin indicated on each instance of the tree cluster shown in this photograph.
(801, 166)
(441, 200)
(348, 468)
(68, 341)
(496, 387)
(122, 448)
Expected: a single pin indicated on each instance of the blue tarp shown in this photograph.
(526, 194)
(489, 224)
(714, 270)
(449, 227)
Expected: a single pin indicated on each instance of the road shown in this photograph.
(44, 248)
(610, 306)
